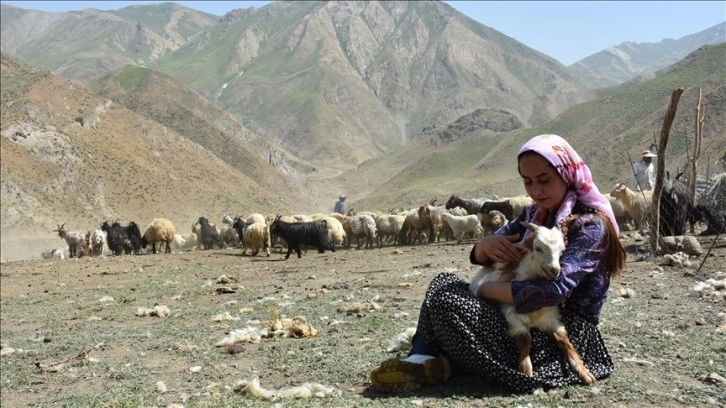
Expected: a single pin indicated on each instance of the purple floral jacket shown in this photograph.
(582, 286)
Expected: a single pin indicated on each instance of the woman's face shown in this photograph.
(541, 181)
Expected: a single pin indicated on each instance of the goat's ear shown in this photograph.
(529, 226)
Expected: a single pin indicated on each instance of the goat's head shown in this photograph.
(61, 230)
(546, 246)
(454, 201)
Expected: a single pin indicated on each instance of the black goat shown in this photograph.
(504, 206)
(122, 239)
(210, 236)
(240, 226)
(296, 234)
(471, 205)
(134, 234)
(675, 205)
(714, 217)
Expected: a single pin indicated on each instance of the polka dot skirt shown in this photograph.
(473, 334)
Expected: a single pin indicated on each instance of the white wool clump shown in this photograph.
(297, 327)
(626, 293)
(161, 387)
(247, 335)
(158, 311)
(224, 316)
(306, 390)
(358, 307)
(715, 288)
(677, 259)
(402, 341)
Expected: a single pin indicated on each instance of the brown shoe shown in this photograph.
(396, 375)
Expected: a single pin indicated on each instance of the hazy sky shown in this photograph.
(565, 30)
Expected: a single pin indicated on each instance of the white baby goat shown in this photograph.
(540, 258)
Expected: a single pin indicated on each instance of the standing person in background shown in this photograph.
(340, 205)
(643, 176)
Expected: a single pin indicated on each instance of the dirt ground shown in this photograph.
(652, 323)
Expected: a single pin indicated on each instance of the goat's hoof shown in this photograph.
(526, 369)
(587, 378)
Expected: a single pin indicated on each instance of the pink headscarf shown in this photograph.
(574, 172)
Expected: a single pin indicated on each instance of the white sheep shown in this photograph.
(301, 218)
(388, 227)
(335, 230)
(540, 259)
(255, 237)
(187, 241)
(256, 218)
(55, 253)
(97, 241)
(462, 224)
(637, 204)
(77, 241)
(360, 226)
(492, 221)
(160, 230)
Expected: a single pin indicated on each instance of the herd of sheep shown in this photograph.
(458, 219)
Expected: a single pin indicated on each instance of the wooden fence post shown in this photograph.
(662, 143)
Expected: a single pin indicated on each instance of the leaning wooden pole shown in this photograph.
(700, 118)
(662, 143)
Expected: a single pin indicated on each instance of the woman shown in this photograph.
(468, 332)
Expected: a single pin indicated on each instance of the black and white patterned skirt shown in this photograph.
(473, 334)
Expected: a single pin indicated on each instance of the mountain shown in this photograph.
(293, 72)
(91, 43)
(629, 60)
(70, 156)
(608, 132)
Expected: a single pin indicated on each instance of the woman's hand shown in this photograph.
(499, 248)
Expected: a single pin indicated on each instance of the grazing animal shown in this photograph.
(209, 237)
(430, 218)
(637, 204)
(97, 240)
(122, 239)
(335, 230)
(388, 227)
(675, 205)
(302, 233)
(471, 205)
(413, 229)
(76, 240)
(360, 226)
(540, 258)
(460, 225)
(511, 207)
(134, 234)
(714, 218)
(492, 221)
(55, 253)
(256, 237)
(160, 230)
(116, 238)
